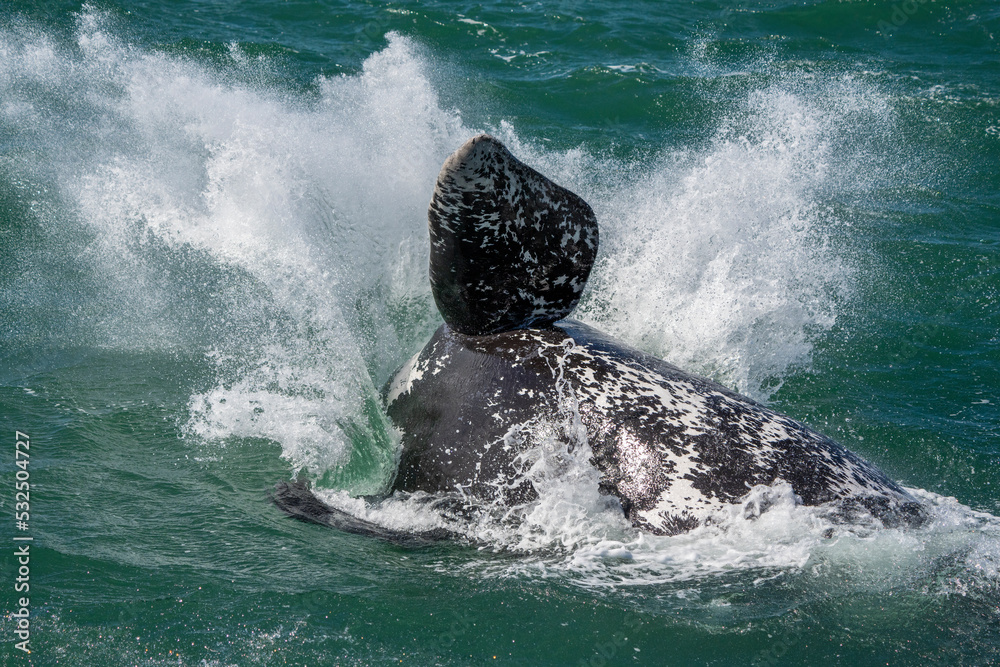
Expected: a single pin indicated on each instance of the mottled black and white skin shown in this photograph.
(510, 249)
(510, 255)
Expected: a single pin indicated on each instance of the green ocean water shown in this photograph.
(213, 255)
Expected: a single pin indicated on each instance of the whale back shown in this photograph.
(510, 249)
(675, 449)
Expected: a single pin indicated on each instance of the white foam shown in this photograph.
(285, 234)
(583, 540)
(731, 249)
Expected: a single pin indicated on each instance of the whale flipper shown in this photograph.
(296, 500)
(509, 248)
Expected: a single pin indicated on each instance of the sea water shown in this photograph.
(214, 250)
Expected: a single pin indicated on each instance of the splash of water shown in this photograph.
(278, 233)
(721, 261)
(283, 233)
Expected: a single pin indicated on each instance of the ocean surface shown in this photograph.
(213, 255)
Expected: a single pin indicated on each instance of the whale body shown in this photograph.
(511, 252)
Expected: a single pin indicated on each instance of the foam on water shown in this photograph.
(293, 223)
(574, 534)
(731, 248)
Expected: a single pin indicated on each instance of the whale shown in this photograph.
(510, 371)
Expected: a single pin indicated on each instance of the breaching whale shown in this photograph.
(510, 254)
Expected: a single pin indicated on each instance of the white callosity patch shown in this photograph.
(678, 448)
(411, 372)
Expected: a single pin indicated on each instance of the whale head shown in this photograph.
(510, 249)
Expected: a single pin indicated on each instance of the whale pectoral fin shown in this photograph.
(296, 500)
(510, 249)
